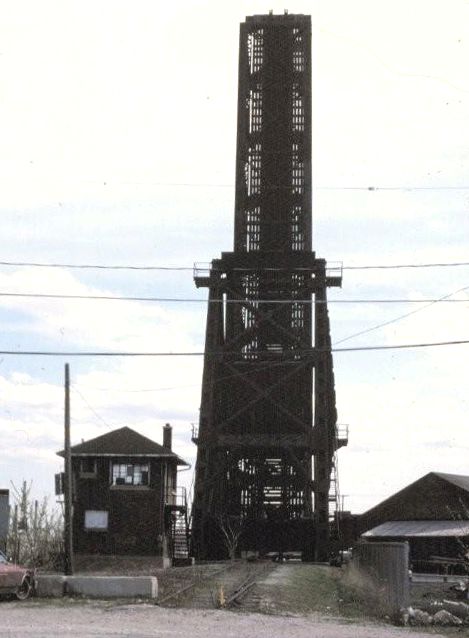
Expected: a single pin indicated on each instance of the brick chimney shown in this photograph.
(167, 436)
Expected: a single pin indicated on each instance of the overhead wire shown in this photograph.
(391, 188)
(273, 364)
(400, 187)
(71, 353)
(21, 264)
(267, 366)
(37, 295)
(396, 319)
(398, 266)
(98, 416)
(33, 264)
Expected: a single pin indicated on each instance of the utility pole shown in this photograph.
(68, 528)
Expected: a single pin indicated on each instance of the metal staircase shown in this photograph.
(177, 526)
(341, 439)
(334, 494)
(335, 504)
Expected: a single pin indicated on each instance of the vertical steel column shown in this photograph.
(324, 418)
(203, 491)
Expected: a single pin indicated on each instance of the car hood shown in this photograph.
(14, 569)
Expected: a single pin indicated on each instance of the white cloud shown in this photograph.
(31, 414)
(104, 324)
(99, 104)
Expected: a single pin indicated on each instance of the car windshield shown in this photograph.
(3, 558)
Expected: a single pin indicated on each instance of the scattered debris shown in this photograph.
(461, 590)
(445, 618)
(459, 609)
(404, 615)
(221, 600)
(441, 616)
(420, 618)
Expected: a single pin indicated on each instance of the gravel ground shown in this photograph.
(299, 601)
(88, 620)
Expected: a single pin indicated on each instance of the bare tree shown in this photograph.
(231, 528)
(36, 532)
(462, 515)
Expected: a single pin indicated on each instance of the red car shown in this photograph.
(16, 580)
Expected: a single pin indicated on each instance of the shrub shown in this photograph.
(35, 536)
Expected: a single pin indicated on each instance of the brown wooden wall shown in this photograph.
(135, 513)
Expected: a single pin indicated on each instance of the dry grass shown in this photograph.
(301, 588)
(360, 596)
(293, 588)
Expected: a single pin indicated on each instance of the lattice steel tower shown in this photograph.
(267, 433)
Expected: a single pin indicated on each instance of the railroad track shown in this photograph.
(229, 587)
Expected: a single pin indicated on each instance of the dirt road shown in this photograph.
(89, 620)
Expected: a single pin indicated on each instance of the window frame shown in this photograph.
(122, 474)
(86, 474)
(96, 528)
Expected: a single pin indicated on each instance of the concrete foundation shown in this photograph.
(98, 586)
(50, 586)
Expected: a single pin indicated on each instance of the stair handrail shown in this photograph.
(176, 496)
(341, 432)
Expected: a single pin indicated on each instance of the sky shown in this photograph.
(118, 131)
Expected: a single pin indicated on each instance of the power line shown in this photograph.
(311, 351)
(396, 266)
(141, 390)
(401, 346)
(91, 266)
(96, 414)
(223, 301)
(90, 408)
(20, 264)
(256, 370)
(396, 319)
(392, 188)
(111, 183)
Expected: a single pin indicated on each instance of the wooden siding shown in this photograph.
(135, 513)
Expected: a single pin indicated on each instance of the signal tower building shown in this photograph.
(267, 435)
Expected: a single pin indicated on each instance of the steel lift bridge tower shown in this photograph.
(267, 435)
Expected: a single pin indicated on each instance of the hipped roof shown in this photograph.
(123, 442)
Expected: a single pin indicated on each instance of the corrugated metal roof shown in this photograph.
(401, 529)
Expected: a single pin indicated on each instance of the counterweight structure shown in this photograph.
(267, 434)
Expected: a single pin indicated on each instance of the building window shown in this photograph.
(96, 520)
(253, 228)
(88, 468)
(252, 169)
(130, 474)
(255, 44)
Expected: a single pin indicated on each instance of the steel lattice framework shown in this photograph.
(268, 399)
